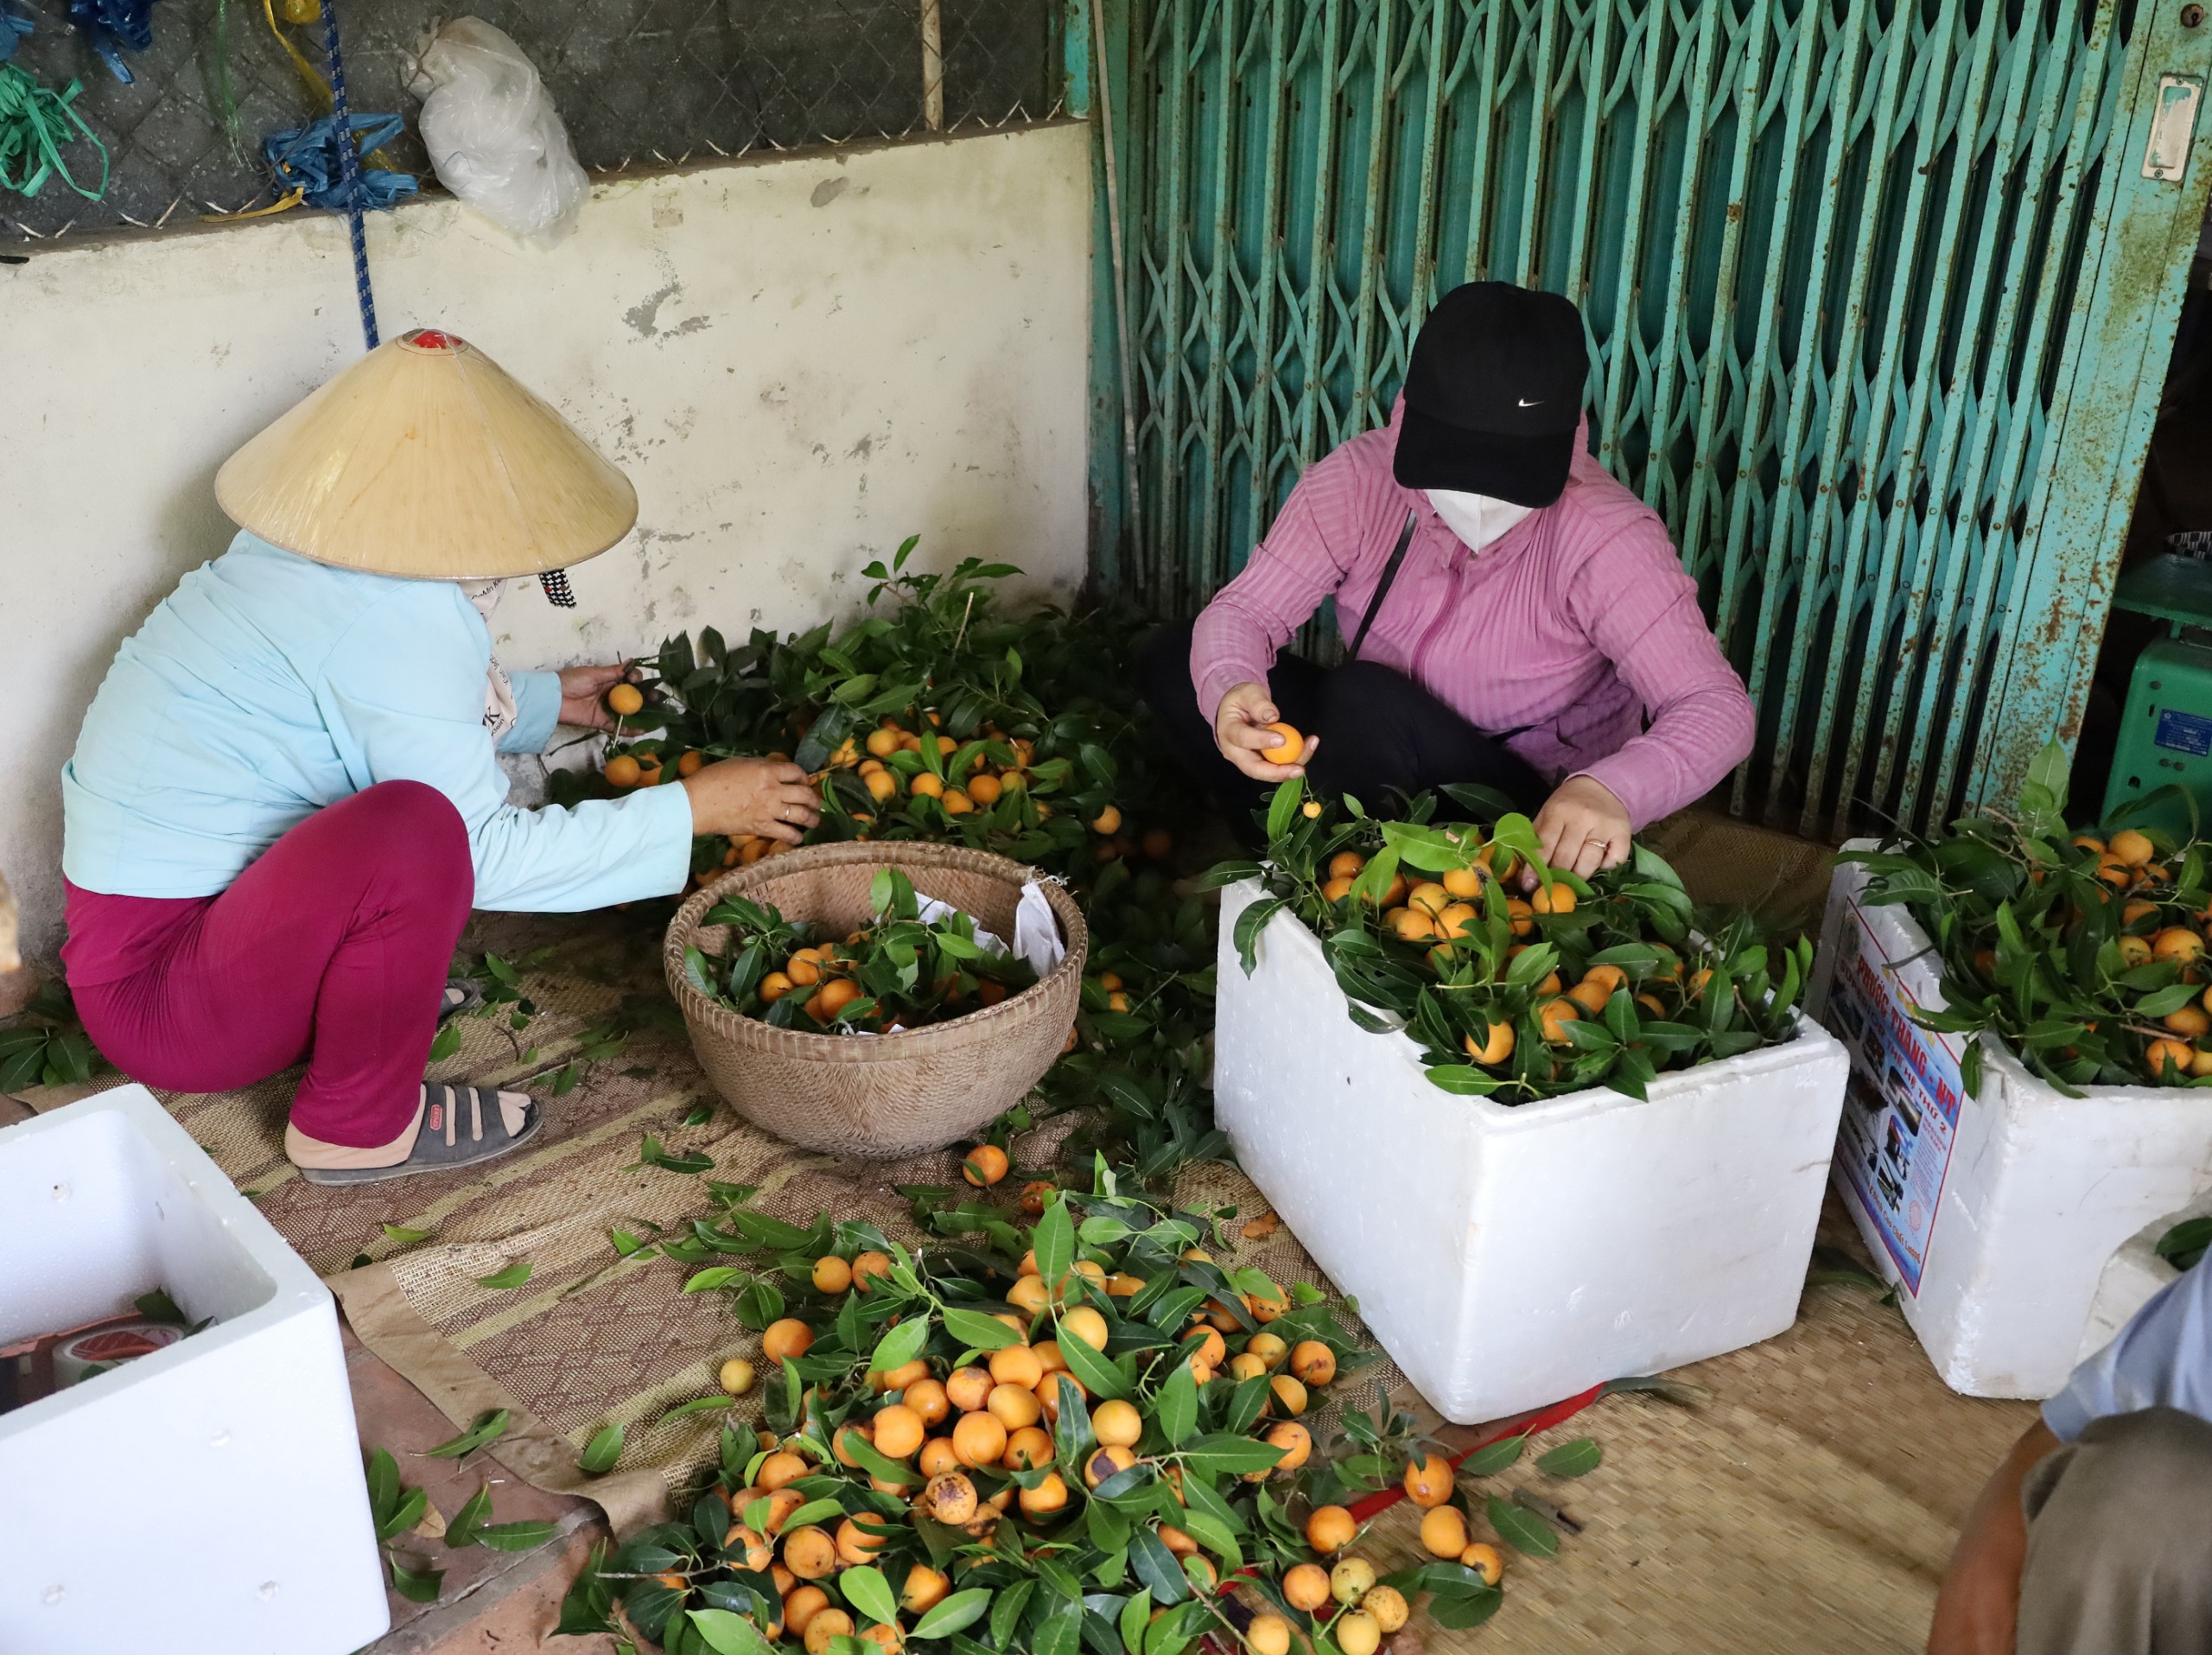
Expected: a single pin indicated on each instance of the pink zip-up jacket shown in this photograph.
(1570, 628)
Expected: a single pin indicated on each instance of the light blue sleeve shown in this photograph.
(402, 693)
(537, 709)
(2163, 1358)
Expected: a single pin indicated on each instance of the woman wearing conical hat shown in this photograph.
(286, 797)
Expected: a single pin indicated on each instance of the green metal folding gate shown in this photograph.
(1877, 297)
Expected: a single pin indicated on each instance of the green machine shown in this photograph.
(2166, 735)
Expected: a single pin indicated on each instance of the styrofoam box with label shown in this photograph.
(206, 1499)
(1508, 1256)
(2000, 1217)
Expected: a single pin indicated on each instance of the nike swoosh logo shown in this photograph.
(1525, 403)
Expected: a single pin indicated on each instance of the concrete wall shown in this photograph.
(799, 361)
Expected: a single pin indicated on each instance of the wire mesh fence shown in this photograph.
(639, 83)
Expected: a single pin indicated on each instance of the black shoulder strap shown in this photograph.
(1382, 586)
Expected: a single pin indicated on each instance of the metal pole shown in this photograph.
(932, 66)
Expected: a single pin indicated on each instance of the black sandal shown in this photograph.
(461, 1126)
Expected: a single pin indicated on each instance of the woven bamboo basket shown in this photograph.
(890, 1095)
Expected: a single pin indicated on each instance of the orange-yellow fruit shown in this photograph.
(968, 1388)
(1556, 1016)
(924, 1590)
(1552, 899)
(868, 1266)
(802, 1604)
(2189, 1021)
(926, 785)
(938, 1457)
(950, 1498)
(1346, 864)
(1519, 915)
(2161, 1053)
(832, 1273)
(1387, 1607)
(1106, 1462)
(979, 1439)
(774, 987)
(841, 1445)
(1352, 1579)
(1428, 898)
(788, 1338)
(1268, 1634)
(624, 700)
(2177, 943)
(927, 1398)
(1411, 924)
(1017, 1364)
(1049, 1496)
(1288, 1394)
(735, 1376)
(1485, 1559)
(809, 1553)
(781, 1504)
(985, 790)
(1330, 1528)
(855, 1544)
(751, 1550)
(825, 1628)
(1444, 1531)
(1289, 747)
(2132, 848)
(1027, 1449)
(623, 770)
(1107, 820)
(986, 1164)
(1464, 882)
(690, 764)
(781, 1467)
(1177, 1542)
(898, 1430)
(1495, 1049)
(1014, 1406)
(1029, 1295)
(1117, 1424)
(1295, 1442)
(1087, 1325)
(890, 1639)
(1312, 1363)
(831, 998)
(1305, 1586)
(1428, 1481)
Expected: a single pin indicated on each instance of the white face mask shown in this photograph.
(1476, 519)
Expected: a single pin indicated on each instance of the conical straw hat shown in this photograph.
(425, 460)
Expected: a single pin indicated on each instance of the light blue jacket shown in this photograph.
(267, 686)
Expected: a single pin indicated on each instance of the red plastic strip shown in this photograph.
(1527, 1425)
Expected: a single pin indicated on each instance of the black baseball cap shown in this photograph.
(1494, 395)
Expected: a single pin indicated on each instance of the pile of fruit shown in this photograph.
(1082, 1433)
(934, 716)
(1516, 980)
(2083, 953)
(898, 971)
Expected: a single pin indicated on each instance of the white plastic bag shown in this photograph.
(495, 137)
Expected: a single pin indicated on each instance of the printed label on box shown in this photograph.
(2185, 732)
(1901, 1105)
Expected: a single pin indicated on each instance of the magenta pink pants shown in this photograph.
(333, 946)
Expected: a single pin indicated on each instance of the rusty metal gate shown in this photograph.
(1877, 297)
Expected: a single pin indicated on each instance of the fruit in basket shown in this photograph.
(2130, 847)
(832, 997)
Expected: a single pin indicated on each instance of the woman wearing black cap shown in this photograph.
(1515, 617)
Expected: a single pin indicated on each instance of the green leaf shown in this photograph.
(413, 1506)
(513, 1275)
(1156, 1567)
(445, 1043)
(1177, 1413)
(466, 1522)
(1489, 1460)
(603, 1451)
(405, 1236)
(417, 1585)
(1054, 1241)
(490, 1426)
(1575, 1459)
(1522, 1531)
(901, 1345)
(814, 1511)
(1136, 1614)
(697, 1405)
(1235, 1456)
(1099, 1376)
(867, 1590)
(728, 1633)
(516, 1536)
(957, 1614)
(714, 1277)
(383, 1483)
(977, 1331)
(1282, 809)
(1006, 1613)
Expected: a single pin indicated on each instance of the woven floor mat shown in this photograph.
(1807, 1502)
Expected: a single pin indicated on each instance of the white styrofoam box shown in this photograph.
(212, 1491)
(2130, 1276)
(1511, 1257)
(1995, 1216)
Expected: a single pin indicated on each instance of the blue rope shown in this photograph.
(110, 25)
(309, 159)
(349, 169)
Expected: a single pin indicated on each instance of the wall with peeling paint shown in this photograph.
(799, 361)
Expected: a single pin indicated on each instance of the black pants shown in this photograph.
(1381, 733)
